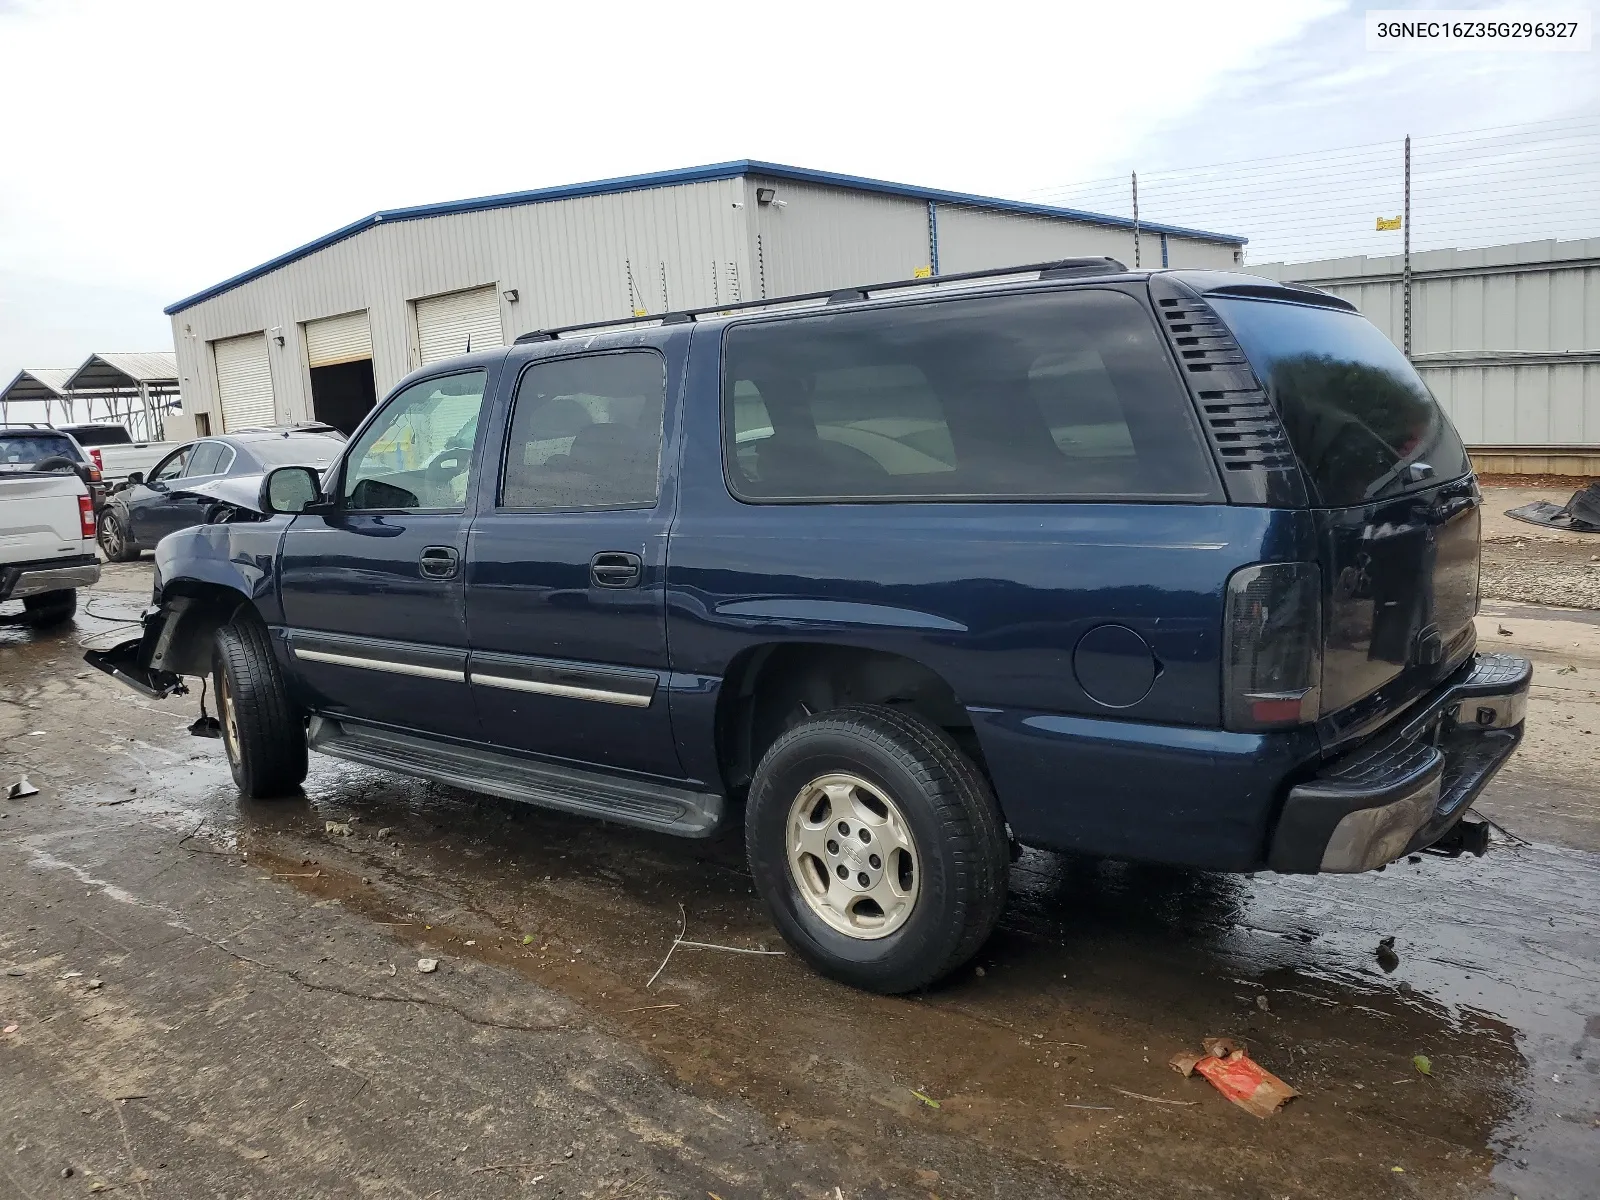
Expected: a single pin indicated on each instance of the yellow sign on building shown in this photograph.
(1388, 223)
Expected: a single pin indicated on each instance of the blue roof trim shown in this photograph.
(684, 175)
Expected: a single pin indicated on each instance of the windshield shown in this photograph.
(1360, 419)
(25, 449)
(297, 450)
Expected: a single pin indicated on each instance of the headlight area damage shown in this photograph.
(180, 624)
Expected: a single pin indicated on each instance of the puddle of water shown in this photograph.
(1099, 973)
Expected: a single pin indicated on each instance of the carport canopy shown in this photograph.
(38, 385)
(135, 371)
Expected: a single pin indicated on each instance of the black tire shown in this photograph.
(50, 608)
(263, 732)
(113, 537)
(962, 850)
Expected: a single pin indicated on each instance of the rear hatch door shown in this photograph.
(1394, 501)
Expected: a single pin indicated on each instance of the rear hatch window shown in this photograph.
(20, 451)
(1361, 421)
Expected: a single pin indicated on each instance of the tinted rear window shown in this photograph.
(296, 450)
(1038, 396)
(1357, 413)
(25, 449)
(100, 435)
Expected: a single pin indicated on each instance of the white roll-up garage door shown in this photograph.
(244, 382)
(448, 325)
(335, 340)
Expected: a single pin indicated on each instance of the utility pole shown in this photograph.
(1405, 226)
(1136, 218)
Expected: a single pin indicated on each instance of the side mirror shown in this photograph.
(290, 490)
(134, 477)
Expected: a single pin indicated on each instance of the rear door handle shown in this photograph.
(616, 569)
(440, 562)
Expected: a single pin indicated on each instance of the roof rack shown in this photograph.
(1064, 268)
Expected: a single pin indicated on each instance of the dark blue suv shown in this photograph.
(1175, 566)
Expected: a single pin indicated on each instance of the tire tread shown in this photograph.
(272, 744)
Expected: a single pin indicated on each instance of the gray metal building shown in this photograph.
(1507, 337)
(318, 332)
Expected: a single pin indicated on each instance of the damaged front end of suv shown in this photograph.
(204, 574)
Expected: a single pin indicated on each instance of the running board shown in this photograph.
(656, 806)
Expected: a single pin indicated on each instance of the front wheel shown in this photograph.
(261, 728)
(877, 848)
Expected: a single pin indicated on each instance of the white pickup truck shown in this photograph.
(46, 542)
(116, 453)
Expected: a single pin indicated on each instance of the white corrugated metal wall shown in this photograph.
(604, 256)
(1508, 337)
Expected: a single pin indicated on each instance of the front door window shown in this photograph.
(417, 455)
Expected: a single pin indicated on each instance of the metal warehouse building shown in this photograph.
(1507, 337)
(319, 332)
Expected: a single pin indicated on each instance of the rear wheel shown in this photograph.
(877, 847)
(261, 728)
(50, 608)
(115, 543)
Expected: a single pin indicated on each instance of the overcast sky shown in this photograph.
(152, 147)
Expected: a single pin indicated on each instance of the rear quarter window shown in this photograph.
(1057, 395)
(1360, 419)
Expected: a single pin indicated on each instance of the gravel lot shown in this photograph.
(1537, 566)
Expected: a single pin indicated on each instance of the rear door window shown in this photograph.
(1360, 419)
(1067, 395)
(206, 459)
(586, 433)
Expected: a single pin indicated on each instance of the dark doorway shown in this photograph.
(342, 394)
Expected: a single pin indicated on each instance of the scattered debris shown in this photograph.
(114, 803)
(683, 928)
(1091, 1107)
(21, 788)
(647, 1008)
(94, 985)
(1261, 1003)
(1387, 958)
(336, 828)
(1580, 514)
(427, 966)
(1422, 1063)
(926, 1099)
(1236, 1075)
(1153, 1099)
(1502, 630)
(17, 972)
(1569, 669)
(385, 831)
(527, 939)
(10, 1029)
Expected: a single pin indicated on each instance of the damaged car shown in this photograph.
(143, 510)
(1176, 566)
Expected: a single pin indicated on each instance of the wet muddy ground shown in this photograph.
(552, 1024)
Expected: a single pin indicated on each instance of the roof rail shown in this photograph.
(1065, 268)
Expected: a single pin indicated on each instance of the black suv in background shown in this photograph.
(1178, 566)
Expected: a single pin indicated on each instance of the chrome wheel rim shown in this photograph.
(230, 717)
(852, 857)
(110, 536)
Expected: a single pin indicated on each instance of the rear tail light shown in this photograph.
(1272, 666)
(86, 516)
(98, 468)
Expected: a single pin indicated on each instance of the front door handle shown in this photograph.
(440, 562)
(616, 569)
